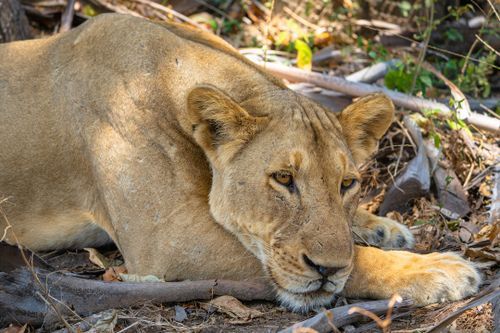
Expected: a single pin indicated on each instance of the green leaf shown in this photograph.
(454, 35)
(399, 80)
(426, 80)
(405, 7)
(437, 139)
(420, 222)
(304, 54)
(88, 10)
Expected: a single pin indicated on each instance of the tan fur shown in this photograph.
(166, 141)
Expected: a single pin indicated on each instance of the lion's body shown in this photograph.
(97, 143)
(78, 124)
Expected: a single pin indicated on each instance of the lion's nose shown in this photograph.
(324, 271)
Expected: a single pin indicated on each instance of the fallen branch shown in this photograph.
(361, 89)
(327, 54)
(20, 299)
(340, 316)
(372, 73)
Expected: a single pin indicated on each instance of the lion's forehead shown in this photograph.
(312, 132)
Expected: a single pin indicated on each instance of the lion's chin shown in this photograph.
(309, 300)
(304, 302)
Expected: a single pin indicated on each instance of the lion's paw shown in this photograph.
(384, 232)
(438, 277)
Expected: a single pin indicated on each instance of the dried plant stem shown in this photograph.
(423, 51)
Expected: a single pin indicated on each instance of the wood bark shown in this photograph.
(23, 299)
(414, 182)
(13, 22)
(451, 194)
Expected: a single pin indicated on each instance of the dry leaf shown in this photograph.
(97, 258)
(113, 273)
(106, 322)
(484, 253)
(234, 308)
(485, 189)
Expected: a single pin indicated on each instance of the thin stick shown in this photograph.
(423, 50)
(67, 16)
(340, 316)
(487, 45)
(171, 12)
(437, 48)
(494, 10)
(300, 19)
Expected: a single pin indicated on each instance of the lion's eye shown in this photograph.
(284, 179)
(347, 183)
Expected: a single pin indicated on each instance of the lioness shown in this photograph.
(198, 164)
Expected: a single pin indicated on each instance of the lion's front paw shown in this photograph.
(384, 232)
(438, 277)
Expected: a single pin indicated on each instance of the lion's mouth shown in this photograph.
(306, 295)
(323, 285)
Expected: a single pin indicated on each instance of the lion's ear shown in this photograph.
(364, 122)
(220, 126)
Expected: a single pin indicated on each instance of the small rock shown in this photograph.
(180, 314)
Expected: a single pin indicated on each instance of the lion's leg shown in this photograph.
(426, 279)
(380, 231)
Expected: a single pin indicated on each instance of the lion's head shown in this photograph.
(285, 182)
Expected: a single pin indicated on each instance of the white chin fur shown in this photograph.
(298, 302)
(303, 303)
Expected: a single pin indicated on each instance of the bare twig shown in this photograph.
(494, 10)
(341, 316)
(170, 11)
(487, 45)
(438, 49)
(67, 16)
(384, 324)
(301, 20)
(116, 8)
(361, 89)
(423, 50)
(266, 31)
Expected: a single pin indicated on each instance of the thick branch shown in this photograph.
(361, 89)
(21, 298)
